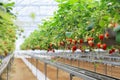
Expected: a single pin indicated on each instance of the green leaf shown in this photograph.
(73, 1)
(9, 4)
(106, 17)
(102, 23)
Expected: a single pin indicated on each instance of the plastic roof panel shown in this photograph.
(41, 8)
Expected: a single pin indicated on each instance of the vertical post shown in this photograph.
(57, 74)
(64, 59)
(45, 70)
(71, 61)
(71, 76)
(95, 66)
(111, 67)
(36, 66)
(111, 70)
(31, 61)
(0, 78)
(10, 65)
(12, 59)
(105, 69)
(7, 72)
(78, 62)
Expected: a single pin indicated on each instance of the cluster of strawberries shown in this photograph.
(77, 44)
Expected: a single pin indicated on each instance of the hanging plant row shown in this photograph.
(79, 24)
(7, 29)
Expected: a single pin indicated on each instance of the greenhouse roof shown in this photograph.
(42, 9)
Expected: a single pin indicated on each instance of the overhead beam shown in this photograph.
(35, 5)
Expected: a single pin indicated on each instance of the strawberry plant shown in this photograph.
(76, 22)
(7, 29)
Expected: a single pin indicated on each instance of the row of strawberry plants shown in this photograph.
(7, 29)
(79, 24)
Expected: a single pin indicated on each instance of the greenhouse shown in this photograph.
(59, 39)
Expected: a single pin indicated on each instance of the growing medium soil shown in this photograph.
(19, 71)
(51, 71)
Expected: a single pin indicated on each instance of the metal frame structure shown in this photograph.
(90, 57)
(6, 65)
(36, 5)
(74, 71)
(19, 6)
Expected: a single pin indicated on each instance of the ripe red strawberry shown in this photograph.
(104, 46)
(101, 36)
(99, 45)
(81, 41)
(91, 43)
(110, 51)
(70, 40)
(62, 43)
(90, 39)
(113, 49)
(75, 41)
(74, 48)
(106, 35)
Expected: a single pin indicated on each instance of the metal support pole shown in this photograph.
(112, 70)
(95, 66)
(45, 70)
(7, 72)
(31, 62)
(10, 66)
(0, 78)
(64, 60)
(71, 61)
(36, 66)
(71, 76)
(12, 59)
(78, 63)
(106, 69)
(57, 74)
